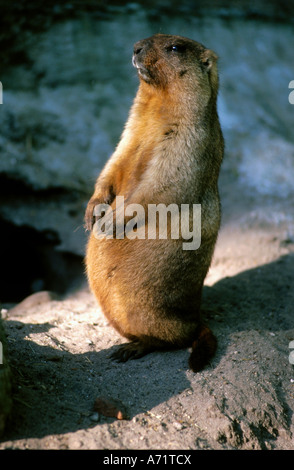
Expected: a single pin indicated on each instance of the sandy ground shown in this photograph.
(59, 352)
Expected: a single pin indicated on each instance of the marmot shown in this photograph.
(170, 152)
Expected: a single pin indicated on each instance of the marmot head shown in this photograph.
(163, 59)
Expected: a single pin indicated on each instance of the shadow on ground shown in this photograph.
(54, 390)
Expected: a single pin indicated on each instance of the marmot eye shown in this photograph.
(176, 48)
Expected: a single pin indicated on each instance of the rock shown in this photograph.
(5, 381)
(110, 407)
(94, 417)
(31, 301)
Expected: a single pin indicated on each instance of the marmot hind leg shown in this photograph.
(138, 348)
(203, 348)
(132, 350)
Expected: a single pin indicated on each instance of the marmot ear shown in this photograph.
(208, 58)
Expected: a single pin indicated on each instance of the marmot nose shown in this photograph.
(138, 55)
(137, 50)
(141, 46)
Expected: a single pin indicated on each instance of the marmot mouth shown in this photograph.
(142, 70)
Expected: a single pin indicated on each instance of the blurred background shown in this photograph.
(68, 83)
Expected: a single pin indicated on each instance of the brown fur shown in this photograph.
(170, 152)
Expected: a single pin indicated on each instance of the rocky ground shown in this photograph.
(58, 341)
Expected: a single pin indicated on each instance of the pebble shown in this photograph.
(177, 425)
(94, 417)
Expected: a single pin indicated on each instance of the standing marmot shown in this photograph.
(170, 153)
